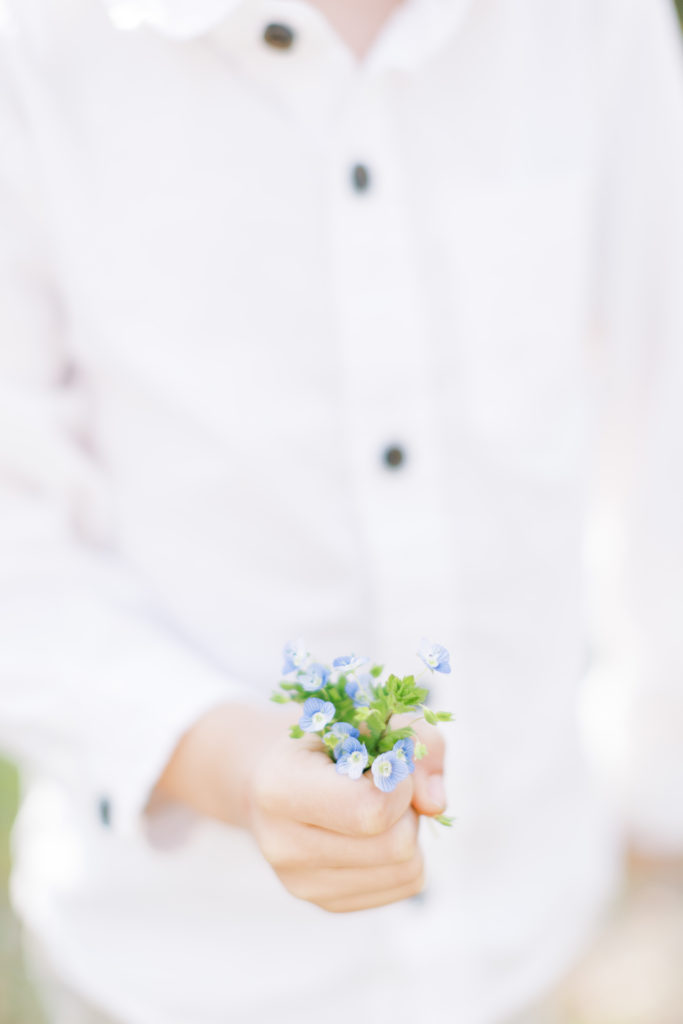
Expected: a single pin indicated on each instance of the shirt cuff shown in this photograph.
(155, 698)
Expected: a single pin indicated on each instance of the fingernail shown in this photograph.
(436, 791)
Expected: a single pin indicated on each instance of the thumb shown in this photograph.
(429, 793)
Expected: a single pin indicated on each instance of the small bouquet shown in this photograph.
(349, 706)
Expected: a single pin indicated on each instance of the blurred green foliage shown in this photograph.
(17, 1004)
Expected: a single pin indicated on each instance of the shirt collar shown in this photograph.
(417, 30)
(183, 19)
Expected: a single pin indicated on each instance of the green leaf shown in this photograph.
(443, 819)
(429, 716)
(393, 736)
(279, 698)
(386, 742)
(330, 740)
(296, 692)
(405, 733)
(380, 706)
(420, 751)
(296, 733)
(391, 684)
(444, 716)
(405, 694)
(375, 723)
(376, 671)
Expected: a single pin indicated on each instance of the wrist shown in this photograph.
(213, 765)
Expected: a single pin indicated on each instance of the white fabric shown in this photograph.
(173, 17)
(59, 1003)
(208, 338)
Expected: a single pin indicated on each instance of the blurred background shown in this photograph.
(17, 1003)
(631, 974)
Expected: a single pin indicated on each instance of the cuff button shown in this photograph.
(104, 811)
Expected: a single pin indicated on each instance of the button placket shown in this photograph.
(386, 357)
(292, 56)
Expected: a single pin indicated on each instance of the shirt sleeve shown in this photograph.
(95, 687)
(641, 309)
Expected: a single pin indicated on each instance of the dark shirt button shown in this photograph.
(279, 36)
(360, 177)
(104, 810)
(394, 457)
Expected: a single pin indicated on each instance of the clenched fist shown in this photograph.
(340, 843)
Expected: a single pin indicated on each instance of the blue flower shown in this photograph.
(434, 656)
(314, 677)
(361, 691)
(405, 750)
(342, 731)
(388, 770)
(296, 657)
(316, 714)
(348, 663)
(354, 758)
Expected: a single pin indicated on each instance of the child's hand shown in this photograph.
(340, 844)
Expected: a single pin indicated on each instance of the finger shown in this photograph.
(334, 884)
(377, 899)
(289, 844)
(429, 796)
(433, 739)
(309, 790)
(429, 793)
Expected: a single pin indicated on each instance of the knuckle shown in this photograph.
(297, 884)
(412, 870)
(277, 853)
(433, 737)
(372, 817)
(418, 878)
(329, 906)
(419, 883)
(270, 849)
(436, 737)
(438, 743)
(263, 793)
(403, 841)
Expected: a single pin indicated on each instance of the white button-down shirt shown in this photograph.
(209, 339)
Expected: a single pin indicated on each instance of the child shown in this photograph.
(333, 320)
